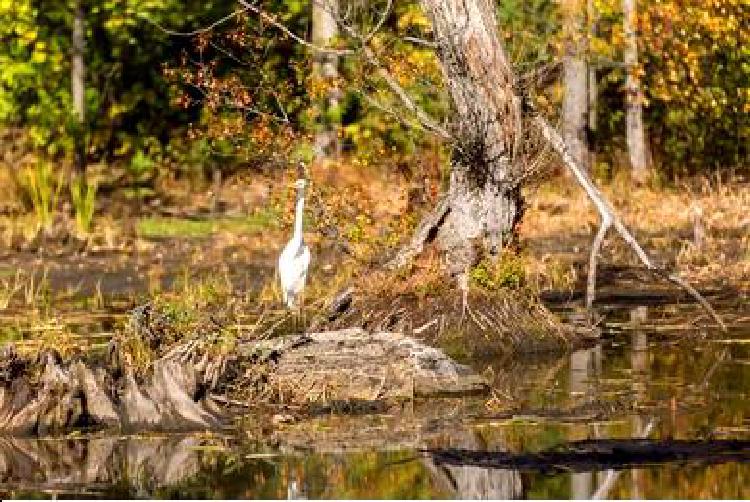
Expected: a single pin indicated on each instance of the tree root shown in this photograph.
(71, 396)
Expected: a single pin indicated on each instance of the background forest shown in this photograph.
(148, 156)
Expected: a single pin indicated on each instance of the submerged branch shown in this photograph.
(588, 455)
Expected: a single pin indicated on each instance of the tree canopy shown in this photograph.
(244, 88)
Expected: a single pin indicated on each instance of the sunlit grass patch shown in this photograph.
(156, 227)
(507, 271)
(560, 224)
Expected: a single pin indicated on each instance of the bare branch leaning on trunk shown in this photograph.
(610, 219)
(608, 216)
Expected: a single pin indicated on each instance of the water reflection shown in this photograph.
(90, 465)
(585, 365)
(468, 482)
(473, 482)
(193, 467)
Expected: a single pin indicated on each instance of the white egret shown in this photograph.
(295, 258)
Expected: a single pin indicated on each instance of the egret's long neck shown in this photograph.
(298, 215)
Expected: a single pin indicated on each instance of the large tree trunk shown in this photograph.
(483, 203)
(636, 135)
(575, 81)
(325, 67)
(78, 83)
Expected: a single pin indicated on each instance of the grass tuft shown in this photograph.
(163, 227)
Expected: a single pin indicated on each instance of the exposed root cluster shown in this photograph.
(46, 395)
(429, 306)
(151, 380)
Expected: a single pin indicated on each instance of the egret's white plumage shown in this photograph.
(295, 258)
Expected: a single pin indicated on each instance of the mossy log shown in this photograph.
(357, 365)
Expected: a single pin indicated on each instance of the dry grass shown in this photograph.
(560, 223)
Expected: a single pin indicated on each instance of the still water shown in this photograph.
(652, 377)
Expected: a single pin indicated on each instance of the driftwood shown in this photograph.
(591, 455)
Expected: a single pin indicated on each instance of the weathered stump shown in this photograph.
(72, 396)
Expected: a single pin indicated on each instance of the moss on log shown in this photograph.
(354, 364)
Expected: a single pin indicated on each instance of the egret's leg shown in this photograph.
(302, 310)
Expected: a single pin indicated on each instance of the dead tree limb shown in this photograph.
(609, 218)
(422, 117)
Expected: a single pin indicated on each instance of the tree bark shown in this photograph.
(636, 136)
(593, 83)
(483, 203)
(325, 68)
(78, 83)
(575, 81)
